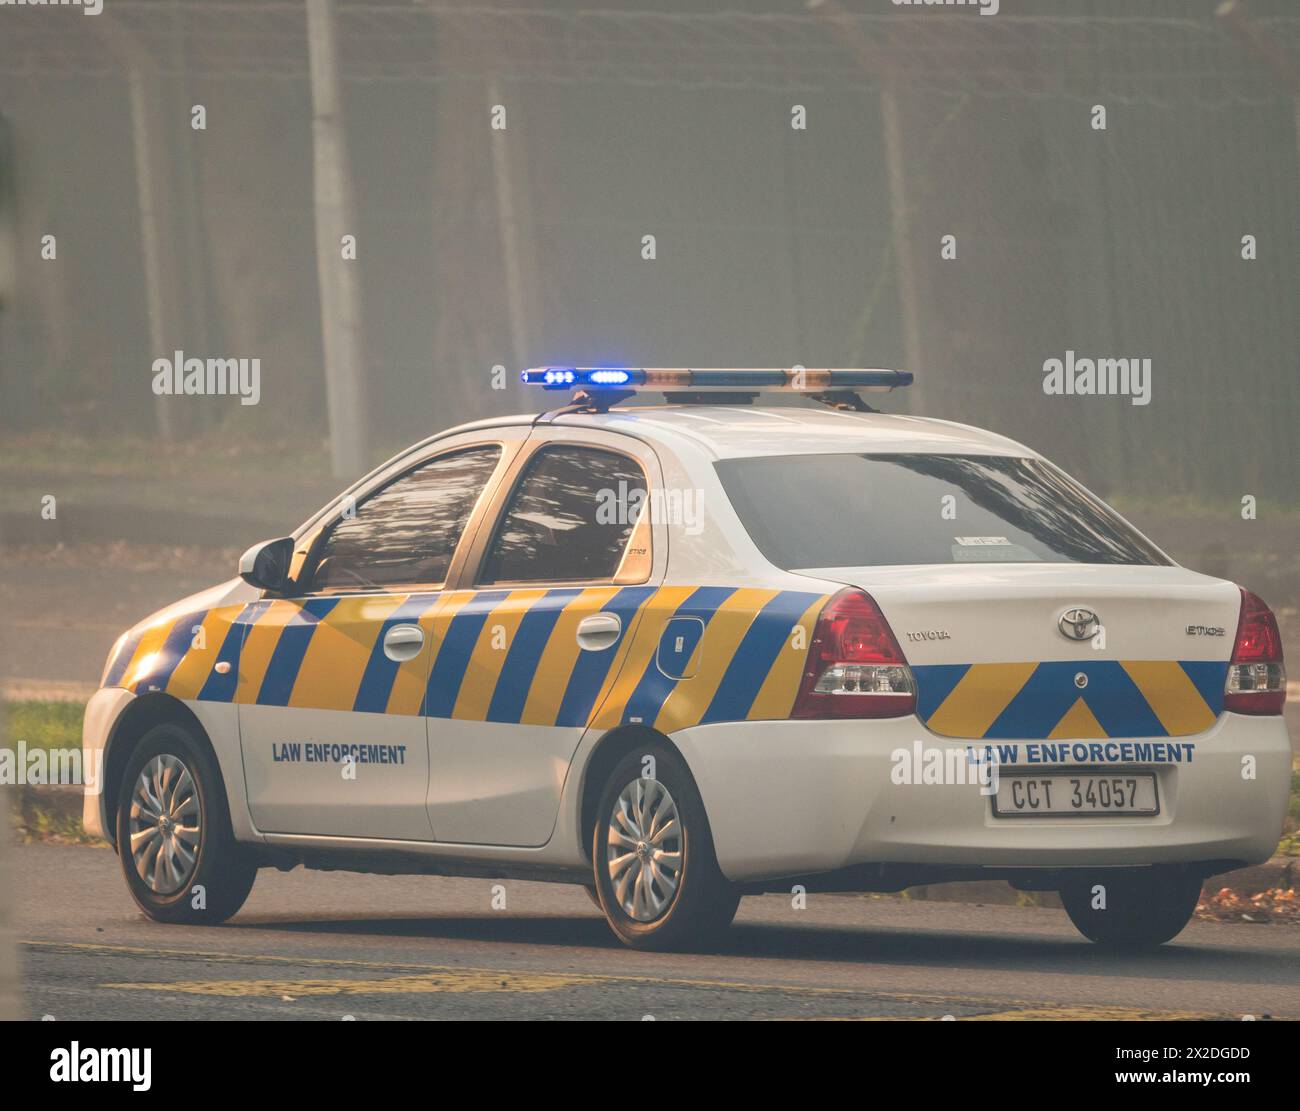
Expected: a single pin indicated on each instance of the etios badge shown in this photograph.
(1078, 624)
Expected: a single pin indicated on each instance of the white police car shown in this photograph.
(678, 654)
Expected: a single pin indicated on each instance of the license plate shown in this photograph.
(1065, 794)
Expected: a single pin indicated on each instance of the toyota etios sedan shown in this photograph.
(679, 654)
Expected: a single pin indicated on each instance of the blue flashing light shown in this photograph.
(685, 379)
(567, 377)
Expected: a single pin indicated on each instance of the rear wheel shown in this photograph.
(178, 853)
(1136, 909)
(656, 874)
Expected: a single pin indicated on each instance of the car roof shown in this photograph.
(738, 431)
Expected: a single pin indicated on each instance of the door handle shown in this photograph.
(403, 642)
(599, 631)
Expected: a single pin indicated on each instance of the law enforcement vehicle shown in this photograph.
(681, 653)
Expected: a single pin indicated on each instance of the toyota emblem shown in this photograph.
(1079, 624)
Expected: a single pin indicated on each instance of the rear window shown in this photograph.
(880, 510)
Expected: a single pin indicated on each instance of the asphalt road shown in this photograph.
(328, 945)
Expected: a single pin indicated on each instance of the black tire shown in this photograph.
(1143, 907)
(704, 902)
(222, 868)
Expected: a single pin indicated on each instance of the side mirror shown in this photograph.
(266, 565)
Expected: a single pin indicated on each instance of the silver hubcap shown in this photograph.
(165, 824)
(645, 849)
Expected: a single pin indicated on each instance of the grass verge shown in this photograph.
(46, 813)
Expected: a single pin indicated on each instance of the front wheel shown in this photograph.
(180, 858)
(1136, 909)
(656, 874)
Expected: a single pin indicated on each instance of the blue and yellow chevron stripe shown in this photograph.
(497, 655)
(1044, 701)
(512, 656)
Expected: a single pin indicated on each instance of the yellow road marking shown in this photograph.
(1087, 1012)
(468, 980)
(420, 975)
(1065, 1012)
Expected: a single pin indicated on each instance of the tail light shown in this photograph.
(1256, 676)
(855, 667)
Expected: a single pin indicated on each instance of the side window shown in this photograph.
(407, 532)
(569, 520)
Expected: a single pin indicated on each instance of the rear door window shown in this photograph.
(568, 519)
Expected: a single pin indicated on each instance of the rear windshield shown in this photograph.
(877, 510)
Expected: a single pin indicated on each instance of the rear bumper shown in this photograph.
(795, 798)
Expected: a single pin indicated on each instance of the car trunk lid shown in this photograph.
(995, 655)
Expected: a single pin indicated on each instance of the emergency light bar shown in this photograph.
(712, 380)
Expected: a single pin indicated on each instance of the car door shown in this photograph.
(525, 653)
(331, 679)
